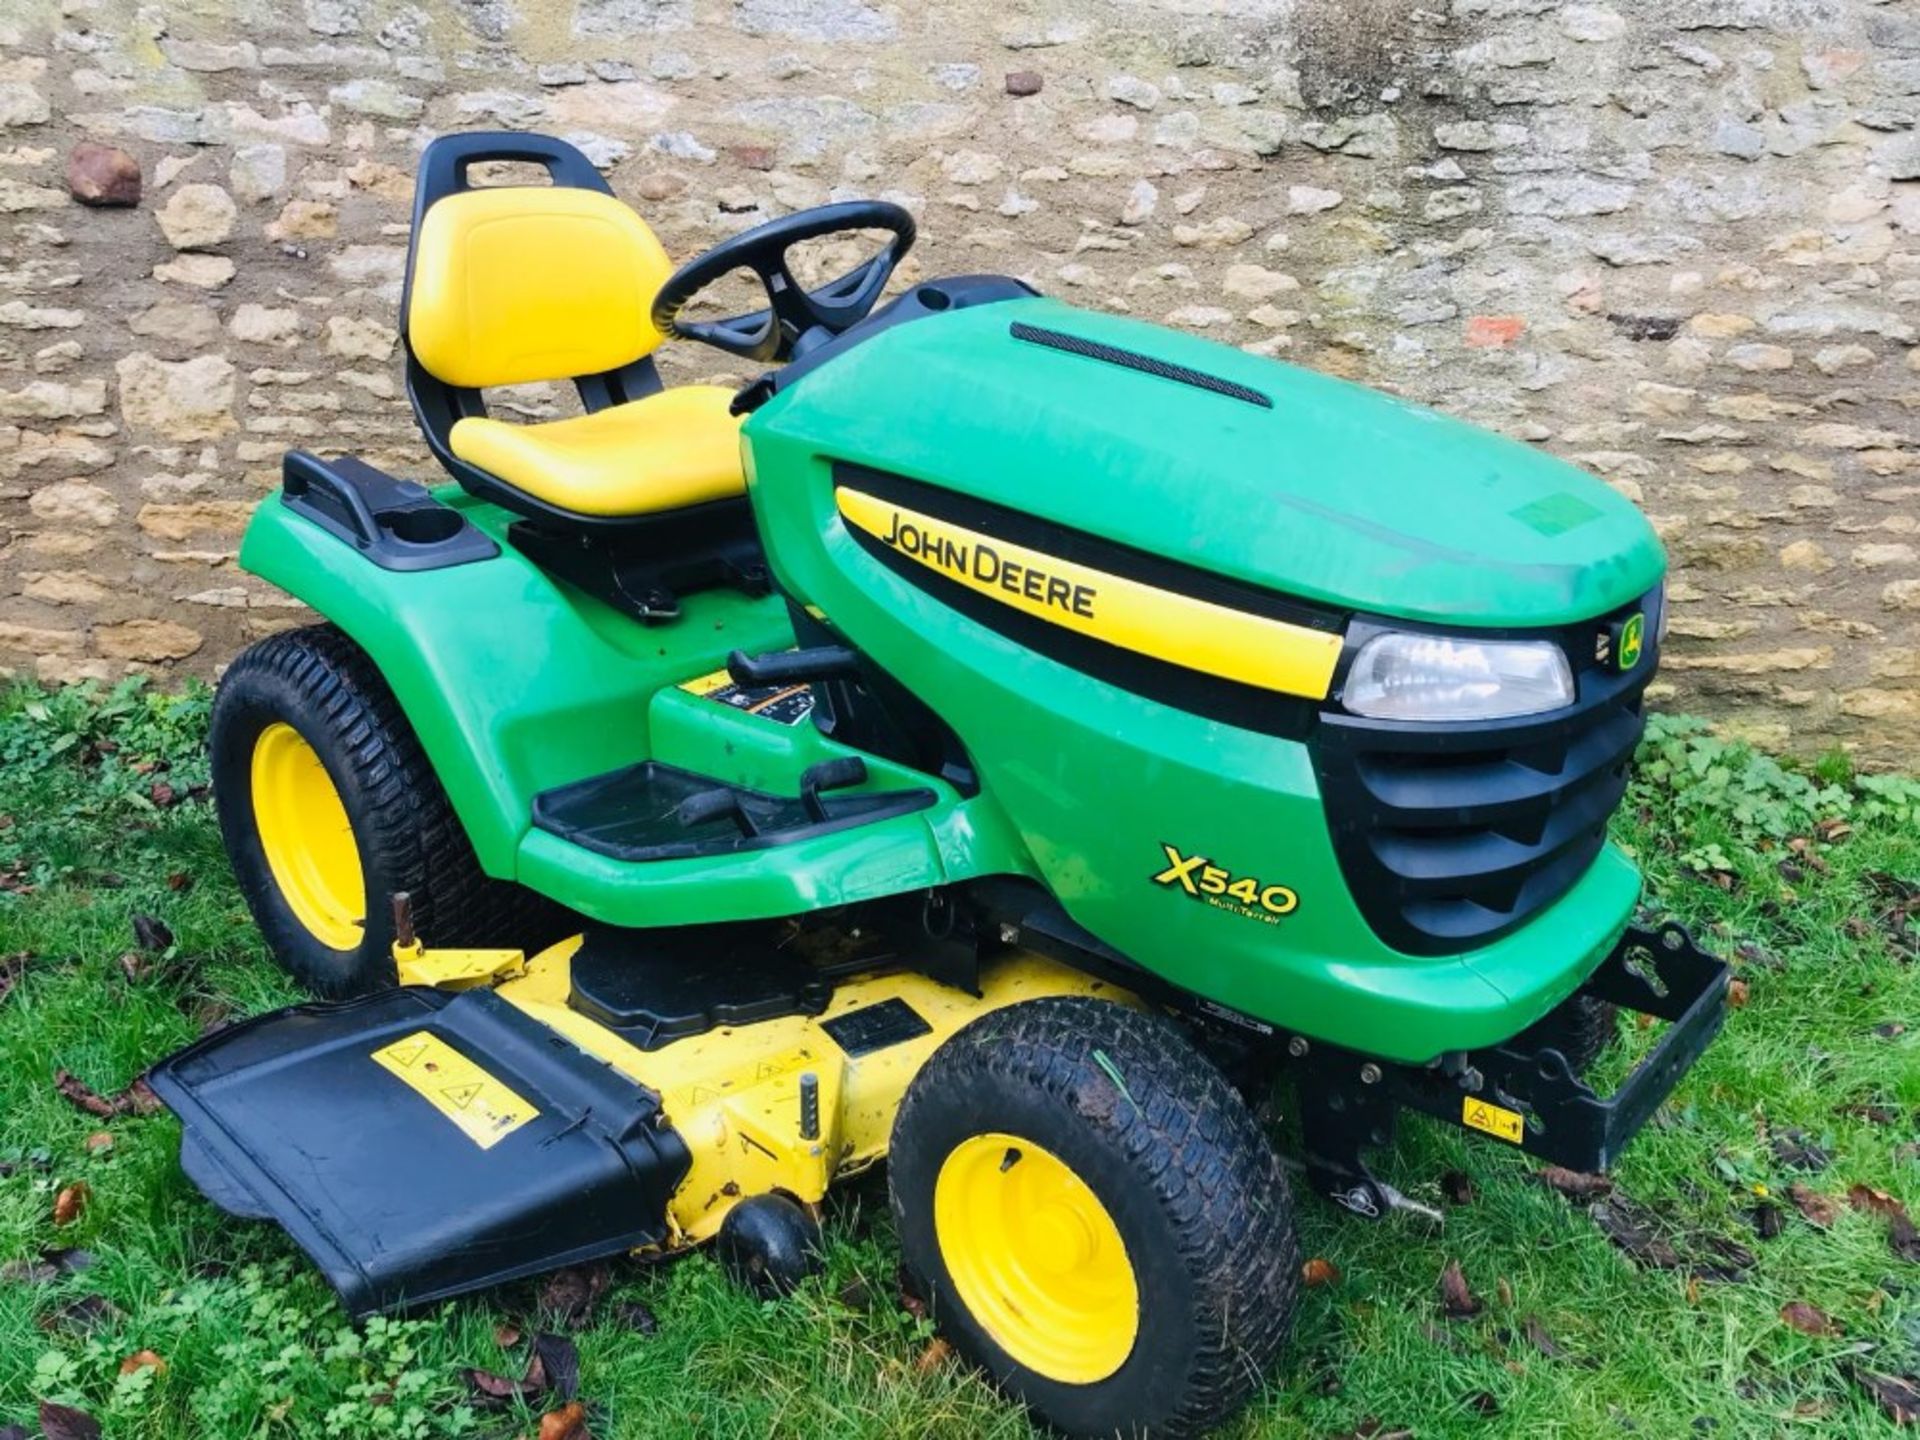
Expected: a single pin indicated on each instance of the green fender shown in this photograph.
(513, 683)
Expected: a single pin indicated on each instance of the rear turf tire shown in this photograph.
(1121, 1229)
(328, 806)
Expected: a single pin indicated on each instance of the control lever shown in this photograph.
(794, 667)
(716, 804)
(828, 775)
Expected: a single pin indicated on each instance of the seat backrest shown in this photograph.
(517, 283)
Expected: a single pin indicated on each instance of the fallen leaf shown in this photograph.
(83, 1314)
(1317, 1272)
(1768, 1222)
(1871, 1113)
(1457, 1188)
(1869, 1201)
(506, 1336)
(642, 1321)
(1808, 1319)
(569, 1422)
(1821, 1210)
(1901, 1231)
(1898, 1395)
(71, 1203)
(1631, 1231)
(494, 1392)
(1504, 1289)
(559, 1362)
(139, 1099)
(1738, 992)
(98, 1143)
(162, 794)
(12, 967)
(1731, 1259)
(77, 1093)
(63, 1422)
(151, 934)
(937, 1353)
(1794, 1150)
(143, 1360)
(134, 966)
(180, 881)
(568, 1296)
(50, 1266)
(1892, 1030)
(1538, 1337)
(1574, 1184)
(1457, 1301)
(904, 1291)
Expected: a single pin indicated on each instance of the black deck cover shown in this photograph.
(289, 1117)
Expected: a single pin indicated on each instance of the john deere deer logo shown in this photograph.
(1632, 637)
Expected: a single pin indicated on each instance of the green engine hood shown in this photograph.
(1336, 493)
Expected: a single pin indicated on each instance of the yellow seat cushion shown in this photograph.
(679, 447)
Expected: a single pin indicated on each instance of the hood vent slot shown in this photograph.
(1133, 360)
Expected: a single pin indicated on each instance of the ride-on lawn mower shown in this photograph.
(998, 740)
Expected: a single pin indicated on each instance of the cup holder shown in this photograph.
(424, 525)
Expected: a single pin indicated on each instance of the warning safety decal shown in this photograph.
(1494, 1120)
(783, 704)
(485, 1110)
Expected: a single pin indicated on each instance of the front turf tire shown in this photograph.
(1580, 1028)
(328, 807)
(1105, 1131)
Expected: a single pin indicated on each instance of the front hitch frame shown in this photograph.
(1532, 1099)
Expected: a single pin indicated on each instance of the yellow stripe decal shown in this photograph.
(1198, 634)
(485, 1110)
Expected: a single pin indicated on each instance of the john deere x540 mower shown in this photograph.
(997, 740)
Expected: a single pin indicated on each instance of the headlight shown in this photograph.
(1400, 676)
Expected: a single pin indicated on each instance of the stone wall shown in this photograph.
(1677, 241)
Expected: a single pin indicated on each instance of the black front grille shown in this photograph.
(1452, 835)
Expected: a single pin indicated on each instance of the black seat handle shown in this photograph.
(794, 667)
(828, 775)
(445, 162)
(720, 803)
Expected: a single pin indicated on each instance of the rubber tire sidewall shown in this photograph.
(247, 703)
(1159, 1372)
(1161, 1354)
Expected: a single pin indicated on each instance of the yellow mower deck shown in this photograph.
(479, 1126)
(733, 1094)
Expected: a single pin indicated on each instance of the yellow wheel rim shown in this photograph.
(308, 840)
(1036, 1258)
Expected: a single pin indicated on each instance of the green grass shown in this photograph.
(254, 1345)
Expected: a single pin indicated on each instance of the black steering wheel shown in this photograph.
(770, 334)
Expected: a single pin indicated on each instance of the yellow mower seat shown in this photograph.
(513, 284)
(664, 451)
